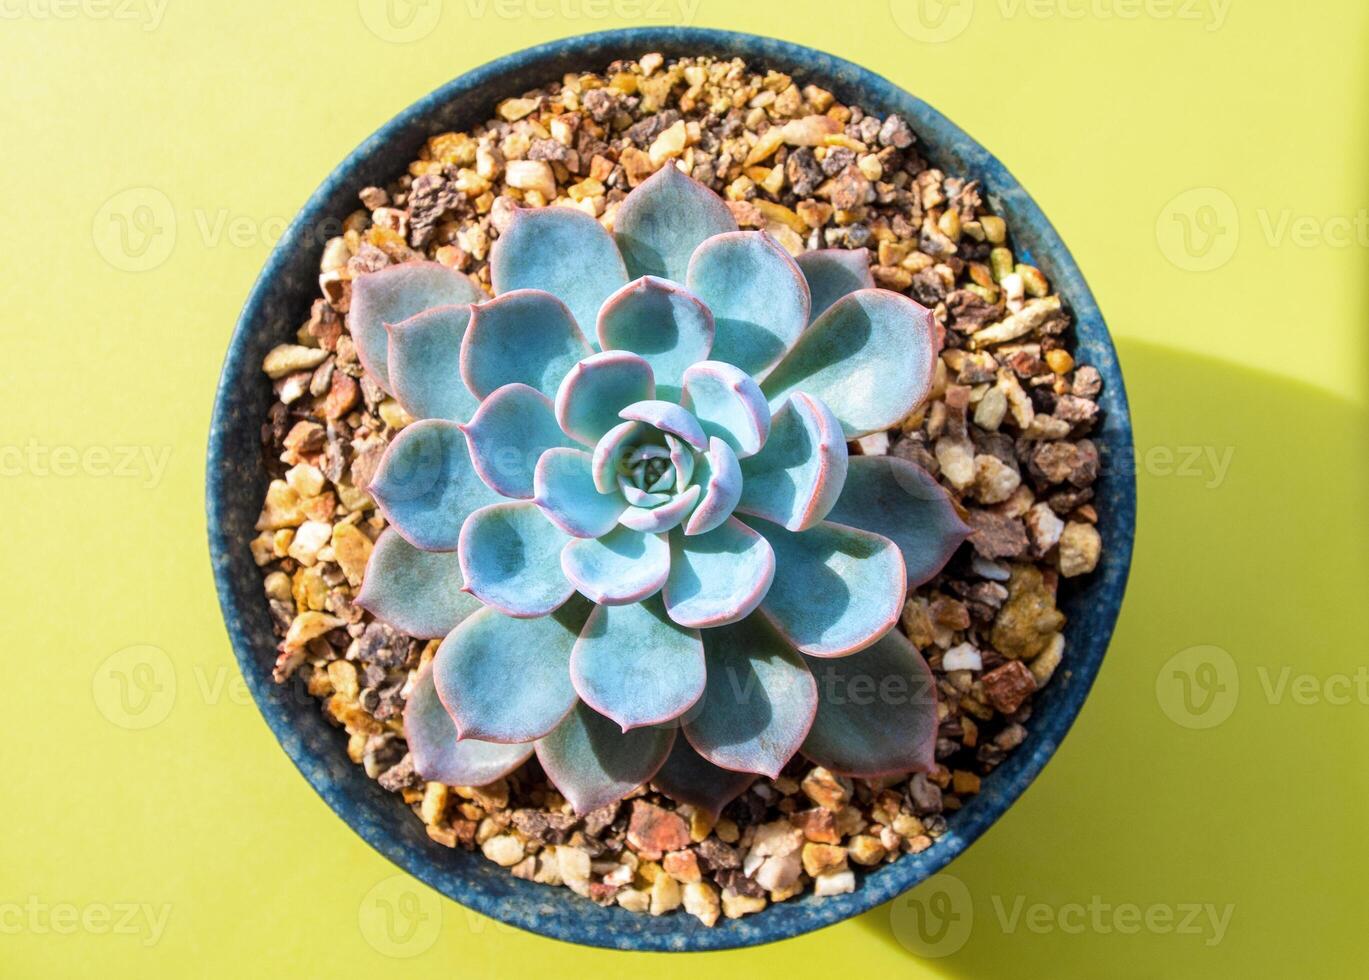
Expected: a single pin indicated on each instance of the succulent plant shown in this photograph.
(627, 507)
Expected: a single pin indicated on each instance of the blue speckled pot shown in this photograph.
(280, 300)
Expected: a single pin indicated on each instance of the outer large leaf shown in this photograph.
(394, 294)
(832, 273)
(510, 558)
(635, 665)
(525, 336)
(562, 251)
(903, 502)
(759, 702)
(662, 222)
(758, 296)
(425, 364)
(593, 764)
(426, 486)
(416, 592)
(795, 479)
(876, 711)
(688, 777)
(836, 590)
(661, 322)
(508, 680)
(870, 358)
(437, 753)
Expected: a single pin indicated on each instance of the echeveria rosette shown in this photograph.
(628, 509)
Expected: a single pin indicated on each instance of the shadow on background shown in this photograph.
(1212, 781)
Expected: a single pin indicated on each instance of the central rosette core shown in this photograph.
(666, 470)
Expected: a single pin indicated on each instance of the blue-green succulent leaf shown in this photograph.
(794, 481)
(476, 666)
(688, 777)
(635, 665)
(728, 404)
(510, 558)
(758, 296)
(562, 251)
(597, 388)
(416, 592)
(524, 336)
(622, 566)
(425, 364)
(870, 357)
(832, 273)
(638, 497)
(759, 702)
(604, 460)
(594, 764)
(438, 755)
(719, 577)
(836, 590)
(662, 222)
(681, 461)
(508, 435)
(720, 476)
(426, 484)
(668, 417)
(392, 295)
(563, 486)
(902, 501)
(661, 322)
(876, 712)
(661, 517)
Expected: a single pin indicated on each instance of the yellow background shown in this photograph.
(1244, 342)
